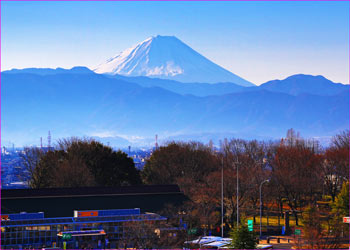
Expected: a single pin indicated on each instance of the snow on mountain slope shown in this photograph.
(167, 57)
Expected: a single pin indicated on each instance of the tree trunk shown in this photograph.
(296, 218)
(267, 222)
(333, 196)
(281, 208)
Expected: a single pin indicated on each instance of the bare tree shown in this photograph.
(296, 169)
(341, 140)
(140, 234)
(247, 159)
(336, 164)
(31, 157)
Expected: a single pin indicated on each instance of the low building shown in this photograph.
(86, 229)
(60, 202)
(102, 215)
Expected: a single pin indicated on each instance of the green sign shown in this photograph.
(192, 231)
(297, 232)
(250, 225)
(66, 236)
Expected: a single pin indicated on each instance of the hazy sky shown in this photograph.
(258, 41)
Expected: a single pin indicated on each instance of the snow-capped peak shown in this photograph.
(169, 58)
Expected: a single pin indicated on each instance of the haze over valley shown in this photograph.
(162, 86)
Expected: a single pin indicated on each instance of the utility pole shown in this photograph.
(49, 141)
(261, 204)
(156, 142)
(222, 197)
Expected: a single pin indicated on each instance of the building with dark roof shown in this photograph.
(101, 215)
(60, 202)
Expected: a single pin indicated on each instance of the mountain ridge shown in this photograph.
(90, 104)
(302, 83)
(50, 71)
(294, 84)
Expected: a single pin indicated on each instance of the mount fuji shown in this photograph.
(167, 57)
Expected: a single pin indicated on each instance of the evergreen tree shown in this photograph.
(340, 207)
(83, 162)
(242, 238)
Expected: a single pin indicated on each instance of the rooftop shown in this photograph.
(88, 191)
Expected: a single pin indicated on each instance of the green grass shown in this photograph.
(273, 221)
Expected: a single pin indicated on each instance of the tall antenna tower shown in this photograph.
(129, 150)
(49, 140)
(41, 143)
(156, 142)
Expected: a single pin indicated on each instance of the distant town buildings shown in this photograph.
(13, 172)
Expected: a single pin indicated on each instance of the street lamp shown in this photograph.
(261, 202)
(237, 197)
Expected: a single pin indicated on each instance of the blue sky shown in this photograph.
(258, 41)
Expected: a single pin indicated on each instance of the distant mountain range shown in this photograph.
(48, 71)
(293, 85)
(122, 109)
(167, 57)
(303, 84)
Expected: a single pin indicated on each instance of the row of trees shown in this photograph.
(301, 172)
